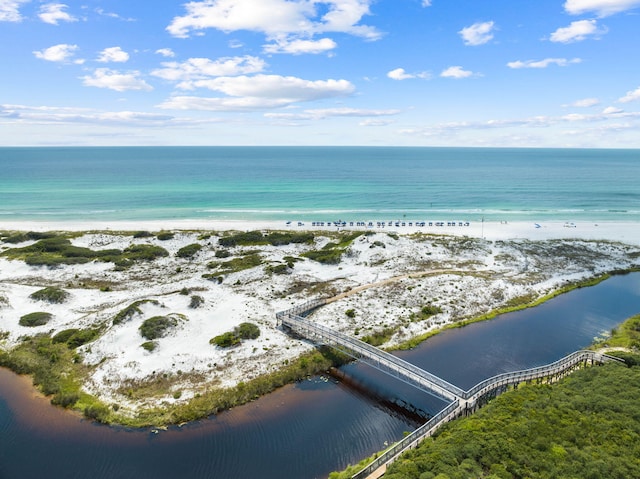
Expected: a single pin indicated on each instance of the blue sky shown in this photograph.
(503, 73)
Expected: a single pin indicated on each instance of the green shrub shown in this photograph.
(222, 253)
(188, 251)
(156, 327)
(66, 400)
(35, 319)
(351, 313)
(149, 346)
(142, 234)
(16, 238)
(131, 310)
(246, 239)
(75, 338)
(165, 235)
(145, 252)
(247, 331)
(96, 413)
(196, 301)
(50, 295)
(225, 340)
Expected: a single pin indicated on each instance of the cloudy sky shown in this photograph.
(562, 73)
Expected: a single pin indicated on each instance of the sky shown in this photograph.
(462, 73)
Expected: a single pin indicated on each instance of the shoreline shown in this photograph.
(467, 276)
(623, 231)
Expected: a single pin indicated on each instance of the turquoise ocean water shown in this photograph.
(318, 183)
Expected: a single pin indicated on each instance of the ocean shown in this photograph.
(318, 184)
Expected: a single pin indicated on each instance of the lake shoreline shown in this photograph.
(116, 364)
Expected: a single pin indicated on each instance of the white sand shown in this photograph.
(512, 260)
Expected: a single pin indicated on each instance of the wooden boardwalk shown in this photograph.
(460, 402)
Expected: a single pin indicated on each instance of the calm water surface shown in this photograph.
(308, 429)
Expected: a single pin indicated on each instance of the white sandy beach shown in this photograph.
(479, 267)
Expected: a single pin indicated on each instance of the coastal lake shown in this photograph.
(311, 428)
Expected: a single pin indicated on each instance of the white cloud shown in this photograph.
(561, 62)
(113, 54)
(577, 31)
(323, 113)
(631, 96)
(58, 53)
(299, 46)
(166, 52)
(456, 72)
(291, 89)
(284, 22)
(612, 110)
(202, 68)
(602, 8)
(246, 93)
(114, 80)
(10, 10)
(55, 12)
(477, 34)
(104, 13)
(586, 102)
(47, 114)
(401, 74)
(426, 3)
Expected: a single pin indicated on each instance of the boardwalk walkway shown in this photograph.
(460, 402)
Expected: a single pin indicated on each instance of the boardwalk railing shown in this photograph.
(375, 357)
(461, 402)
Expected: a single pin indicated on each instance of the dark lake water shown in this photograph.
(309, 429)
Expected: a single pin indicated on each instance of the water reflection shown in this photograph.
(309, 429)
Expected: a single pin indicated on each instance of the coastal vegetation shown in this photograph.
(586, 425)
(39, 318)
(50, 294)
(332, 252)
(256, 238)
(131, 310)
(158, 326)
(189, 251)
(231, 338)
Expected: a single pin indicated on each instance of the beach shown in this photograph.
(385, 276)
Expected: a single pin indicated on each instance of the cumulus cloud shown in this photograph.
(577, 31)
(284, 22)
(477, 34)
(113, 54)
(602, 8)
(166, 52)
(631, 96)
(561, 62)
(114, 80)
(259, 92)
(202, 68)
(401, 74)
(10, 10)
(299, 46)
(55, 12)
(61, 53)
(586, 102)
(612, 110)
(456, 72)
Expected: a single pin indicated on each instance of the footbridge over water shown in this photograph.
(460, 402)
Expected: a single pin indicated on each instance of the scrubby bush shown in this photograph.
(131, 310)
(50, 295)
(222, 253)
(165, 235)
(75, 338)
(196, 301)
(35, 319)
(247, 331)
(96, 413)
(156, 327)
(248, 238)
(149, 346)
(351, 313)
(66, 400)
(225, 340)
(189, 250)
(145, 252)
(142, 234)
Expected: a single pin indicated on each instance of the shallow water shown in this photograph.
(305, 430)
